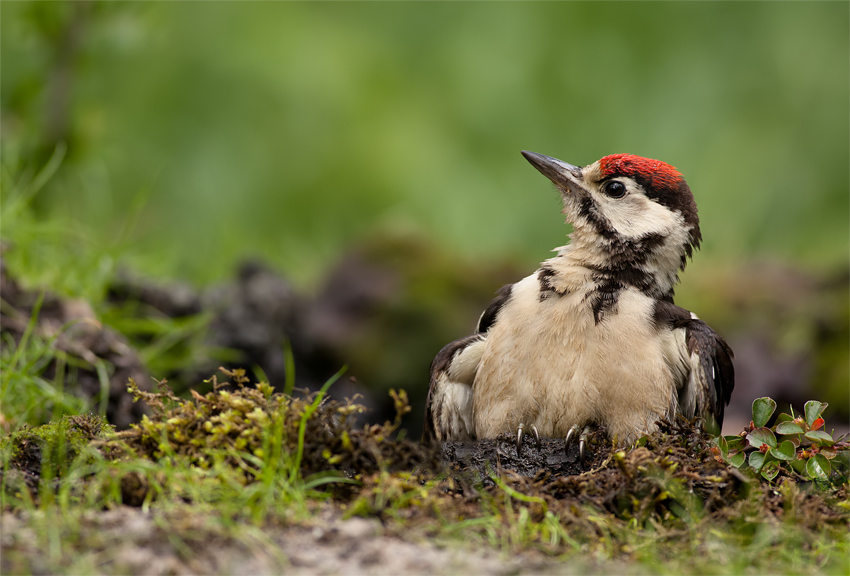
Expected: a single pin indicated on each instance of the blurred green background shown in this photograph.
(194, 134)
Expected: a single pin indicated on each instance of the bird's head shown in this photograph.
(628, 212)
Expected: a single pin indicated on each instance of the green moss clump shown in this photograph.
(47, 451)
(242, 425)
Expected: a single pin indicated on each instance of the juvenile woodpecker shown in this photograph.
(593, 336)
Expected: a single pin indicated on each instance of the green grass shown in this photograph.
(77, 477)
(65, 258)
(26, 394)
(55, 252)
(165, 345)
(55, 255)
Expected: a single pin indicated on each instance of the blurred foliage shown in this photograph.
(180, 137)
(198, 133)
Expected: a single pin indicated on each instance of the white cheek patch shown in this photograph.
(636, 216)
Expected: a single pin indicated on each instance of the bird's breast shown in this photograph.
(550, 362)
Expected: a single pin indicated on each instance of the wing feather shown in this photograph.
(715, 371)
(711, 374)
(489, 316)
(448, 407)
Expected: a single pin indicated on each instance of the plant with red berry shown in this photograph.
(795, 445)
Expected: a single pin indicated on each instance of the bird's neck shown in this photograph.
(650, 264)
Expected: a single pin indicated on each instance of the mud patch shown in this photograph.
(486, 457)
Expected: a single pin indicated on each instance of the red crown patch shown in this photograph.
(659, 174)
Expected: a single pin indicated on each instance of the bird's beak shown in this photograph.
(565, 176)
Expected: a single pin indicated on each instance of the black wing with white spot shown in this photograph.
(714, 371)
(710, 373)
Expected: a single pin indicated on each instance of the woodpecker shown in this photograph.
(593, 336)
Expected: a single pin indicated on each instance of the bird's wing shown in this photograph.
(489, 316)
(448, 408)
(710, 374)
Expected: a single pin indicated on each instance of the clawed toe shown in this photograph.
(570, 435)
(582, 440)
(520, 434)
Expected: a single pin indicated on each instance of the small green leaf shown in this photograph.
(841, 462)
(799, 466)
(761, 436)
(788, 428)
(828, 453)
(762, 410)
(785, 451)
(813, 410)
(733, 442)
(737, 460)
(756, 460)
(723, 445)
(820, 437)
(818, 466)
(770, 469)
(784, 418)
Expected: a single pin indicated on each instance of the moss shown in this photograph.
(48, 450)
(241, 425)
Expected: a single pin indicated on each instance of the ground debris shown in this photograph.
(127, 540)
(667, 489)
(669, 483)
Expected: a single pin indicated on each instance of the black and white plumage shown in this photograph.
(593, 336)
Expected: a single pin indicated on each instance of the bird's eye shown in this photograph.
(614, 189)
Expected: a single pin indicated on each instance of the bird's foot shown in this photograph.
(520, 434)
(582, 440)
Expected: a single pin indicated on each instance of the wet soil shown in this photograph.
(485, 457)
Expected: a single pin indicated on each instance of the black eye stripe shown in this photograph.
(614, 189)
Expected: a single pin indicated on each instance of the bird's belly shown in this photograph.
(552, 366)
